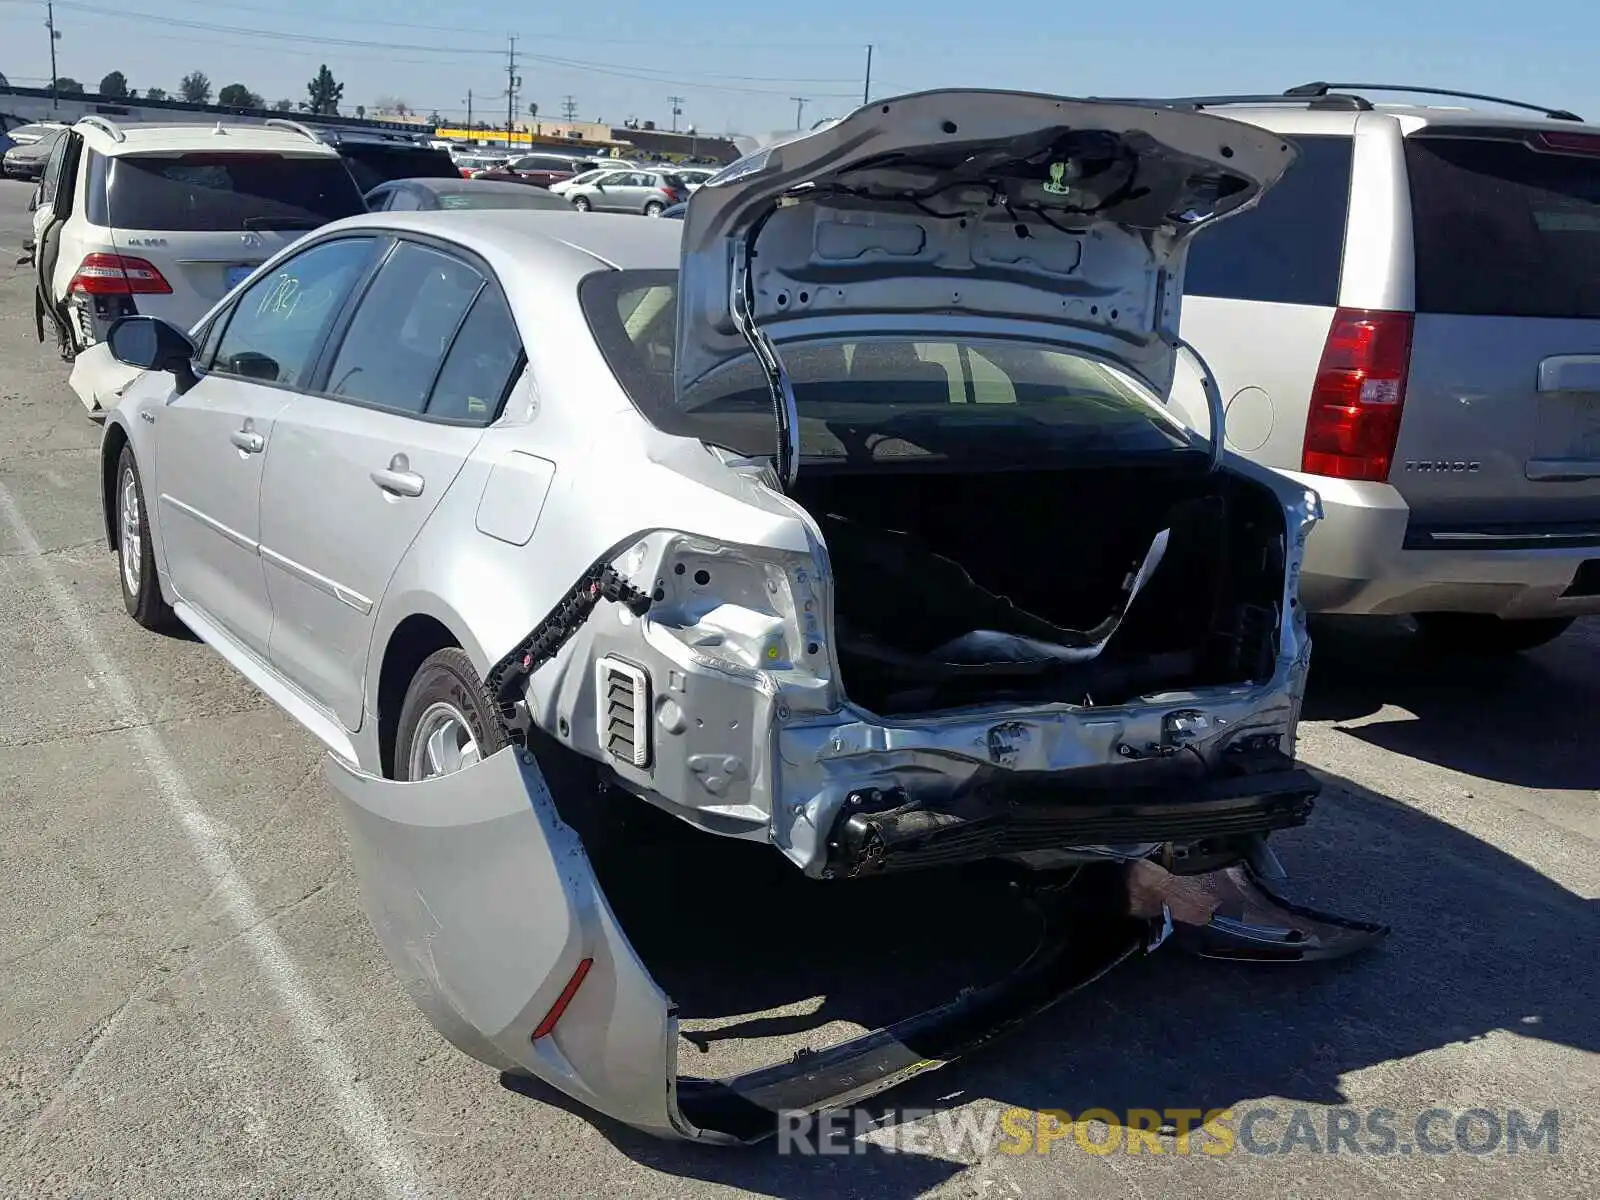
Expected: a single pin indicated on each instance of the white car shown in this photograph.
(163, 220)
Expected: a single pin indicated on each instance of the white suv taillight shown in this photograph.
(118, 275)
(1358, 395)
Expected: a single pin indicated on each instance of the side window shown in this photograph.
(402, 328)
(401, 200)
(51, 182)
(478, 369)
(1289, 248)
(278, 323)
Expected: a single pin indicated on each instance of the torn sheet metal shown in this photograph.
(991, 646)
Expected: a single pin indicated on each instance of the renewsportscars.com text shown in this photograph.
(1262, 1129)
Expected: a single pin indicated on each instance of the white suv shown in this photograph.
(164, 219)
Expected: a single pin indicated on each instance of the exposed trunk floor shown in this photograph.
(762, 961)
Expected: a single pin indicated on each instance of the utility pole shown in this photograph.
(469, 110)
(677, 110)
(569, 109)
(866, 88)
(800, 103)
(513, 82)
(55, 36)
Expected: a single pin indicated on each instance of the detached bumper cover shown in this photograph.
(488, 908)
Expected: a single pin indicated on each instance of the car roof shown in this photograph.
(510, 239)
(138, 137)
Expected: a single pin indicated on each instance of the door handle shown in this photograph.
(248, 440)
(399, 482)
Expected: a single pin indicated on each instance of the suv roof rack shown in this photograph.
(105, 125)
(1328, 99)
(1319, 89)
(293, 127)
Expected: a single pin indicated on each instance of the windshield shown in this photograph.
(862, 400)
(216, 191)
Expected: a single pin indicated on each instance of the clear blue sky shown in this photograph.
(737, 65)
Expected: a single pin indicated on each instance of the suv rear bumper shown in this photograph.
(1357, 563)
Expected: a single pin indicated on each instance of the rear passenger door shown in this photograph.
(399, 401)
(1260, 290)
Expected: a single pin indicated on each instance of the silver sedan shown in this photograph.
(866, 535)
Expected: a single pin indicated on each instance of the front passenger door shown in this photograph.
(356, 469)
(212, 441)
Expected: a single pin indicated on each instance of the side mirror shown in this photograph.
(153, 345)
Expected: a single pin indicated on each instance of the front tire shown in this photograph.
(581, 203)
(1483, 635)
(448, 720)
(136, 559)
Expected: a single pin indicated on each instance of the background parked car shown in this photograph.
(541, 170)
(26, 160)
(375, 156)
(21, 135)
(430, 195)
(1422, 301)
(648, 192)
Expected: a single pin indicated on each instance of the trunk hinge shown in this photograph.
(1214, 411)
(784, 410)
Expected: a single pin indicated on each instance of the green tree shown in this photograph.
(361, 111)
(195, 87)
(155, 94)
(533, 111)
(68, 86)
(284, 106)
(236, 95)
(325, 92)
(115, 86)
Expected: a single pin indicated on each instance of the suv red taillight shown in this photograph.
(1358, 395)
(118, 275)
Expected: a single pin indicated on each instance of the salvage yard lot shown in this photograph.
(191, 1003)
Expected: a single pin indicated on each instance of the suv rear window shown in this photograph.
(1288, 249)
(1503, 228)
(214, 191)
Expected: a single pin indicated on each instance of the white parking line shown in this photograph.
(362, 1121)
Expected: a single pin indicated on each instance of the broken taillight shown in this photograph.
(1358, 395)
(118, 275)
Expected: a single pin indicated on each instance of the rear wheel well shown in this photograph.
(413, 640)
(110, 455)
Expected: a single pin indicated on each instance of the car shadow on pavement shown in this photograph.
(1480, 943)
(1480, 716)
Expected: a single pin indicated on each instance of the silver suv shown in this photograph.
(1409, 323)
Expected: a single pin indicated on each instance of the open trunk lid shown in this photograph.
(981, 214)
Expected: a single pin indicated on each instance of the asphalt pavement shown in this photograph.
(192, 1004)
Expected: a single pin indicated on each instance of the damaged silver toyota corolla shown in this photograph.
(856, 524)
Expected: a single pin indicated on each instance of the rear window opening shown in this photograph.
(1504, 226)
(214, 191)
